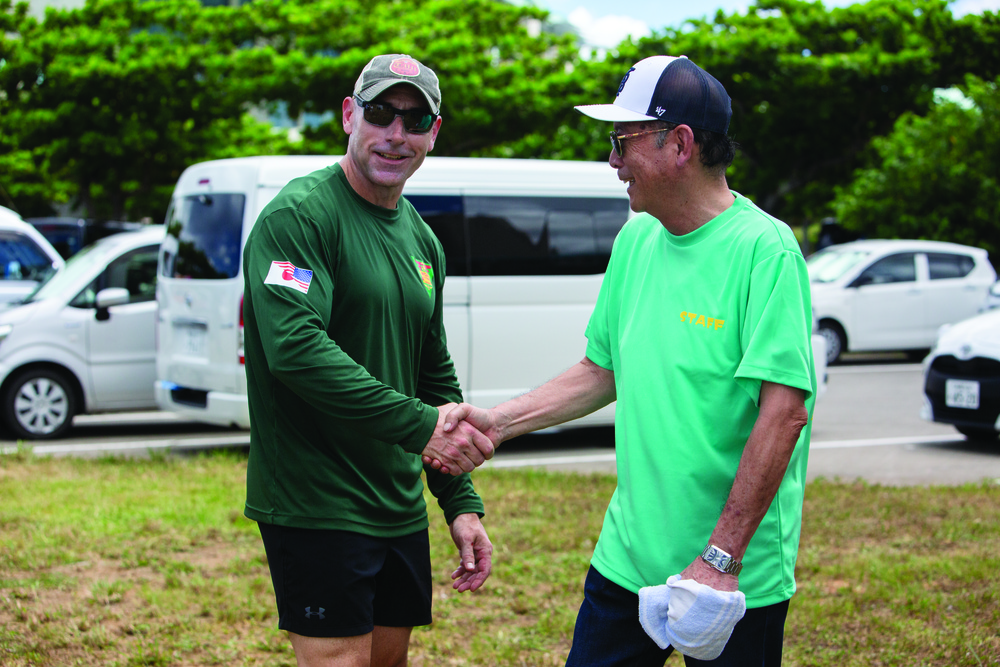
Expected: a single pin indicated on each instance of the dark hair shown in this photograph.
(717, 150)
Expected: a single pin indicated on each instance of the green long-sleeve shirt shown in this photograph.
(346, 358)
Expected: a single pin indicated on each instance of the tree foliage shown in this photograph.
(934, 177)
(112, 101)
(105, 105)
(810, 86)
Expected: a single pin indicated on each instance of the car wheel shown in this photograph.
(836, 341)
(39, 404)
(980, 434)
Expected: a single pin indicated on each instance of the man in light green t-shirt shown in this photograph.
(701, 332)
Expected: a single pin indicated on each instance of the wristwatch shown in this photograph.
(720, 560)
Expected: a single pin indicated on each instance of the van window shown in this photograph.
(65, 234)
(21, 258)
(208, 229)
(944, 265)
(899, 268)
(135, 271)
(501, 236)
(444, 215)
(542, 235)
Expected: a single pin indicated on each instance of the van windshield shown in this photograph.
(76, 266)
(22, 259)
(830, 264)
(208, 229)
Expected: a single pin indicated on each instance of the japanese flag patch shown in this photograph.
(289, 275)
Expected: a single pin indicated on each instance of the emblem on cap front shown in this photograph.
(624, 79)
(405, 67)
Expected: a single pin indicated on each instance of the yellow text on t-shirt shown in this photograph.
(700, 320)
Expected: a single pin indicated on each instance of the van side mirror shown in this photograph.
(107, 297)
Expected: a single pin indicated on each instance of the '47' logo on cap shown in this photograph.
(426, 273)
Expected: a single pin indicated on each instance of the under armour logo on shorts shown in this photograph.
(319, 614)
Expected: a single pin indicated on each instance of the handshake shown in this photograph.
(464, 438)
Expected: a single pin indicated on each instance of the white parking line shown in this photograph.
(880, 442)
(880, 369)
(528, 461)
(513, 461)
(609, 457)
(142, 417)
(141, 445)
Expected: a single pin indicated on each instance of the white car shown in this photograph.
(962, 377)
(992, 297)
(26, 258)
(894, 294)
(819, 358)
(85, 341)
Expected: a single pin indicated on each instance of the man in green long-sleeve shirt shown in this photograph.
(348, 379)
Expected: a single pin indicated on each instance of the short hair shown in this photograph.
(717, 150)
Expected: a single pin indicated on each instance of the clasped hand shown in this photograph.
(465, 437)
(456, 446)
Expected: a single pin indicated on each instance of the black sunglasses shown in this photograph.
(416, 121)
(616, 139)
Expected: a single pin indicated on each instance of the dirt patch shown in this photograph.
(99, 611)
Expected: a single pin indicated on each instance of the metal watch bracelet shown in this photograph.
(721, 560)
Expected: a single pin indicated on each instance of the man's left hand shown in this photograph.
(475, 552)
(704, 573)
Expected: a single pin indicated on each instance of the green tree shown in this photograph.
(107, 104)
(499, 80)
(810, 87)
(934, 177)
(112, 101)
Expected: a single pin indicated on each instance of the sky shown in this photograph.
(604, 23)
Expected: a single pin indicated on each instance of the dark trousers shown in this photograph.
(608, 633)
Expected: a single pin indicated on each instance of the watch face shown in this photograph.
(715, 557)
(721, 561)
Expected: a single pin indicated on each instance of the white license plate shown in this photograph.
(190, 340)
(961, 394)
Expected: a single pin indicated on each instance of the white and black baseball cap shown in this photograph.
(667, 88)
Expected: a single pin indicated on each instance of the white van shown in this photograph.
(26, 258)
(526, 244)
(84, 341)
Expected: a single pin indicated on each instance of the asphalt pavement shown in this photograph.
(867, 426)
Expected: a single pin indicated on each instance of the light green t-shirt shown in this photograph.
(691, 325)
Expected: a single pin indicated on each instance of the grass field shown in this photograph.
(151, 562)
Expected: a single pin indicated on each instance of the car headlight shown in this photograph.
(5, 330)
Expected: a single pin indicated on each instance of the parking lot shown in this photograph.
(867, 426)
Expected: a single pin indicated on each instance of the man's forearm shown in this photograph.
(762, 466)
(582, 389)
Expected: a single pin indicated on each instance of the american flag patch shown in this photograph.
(289, 275)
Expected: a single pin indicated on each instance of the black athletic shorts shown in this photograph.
(334, 583)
